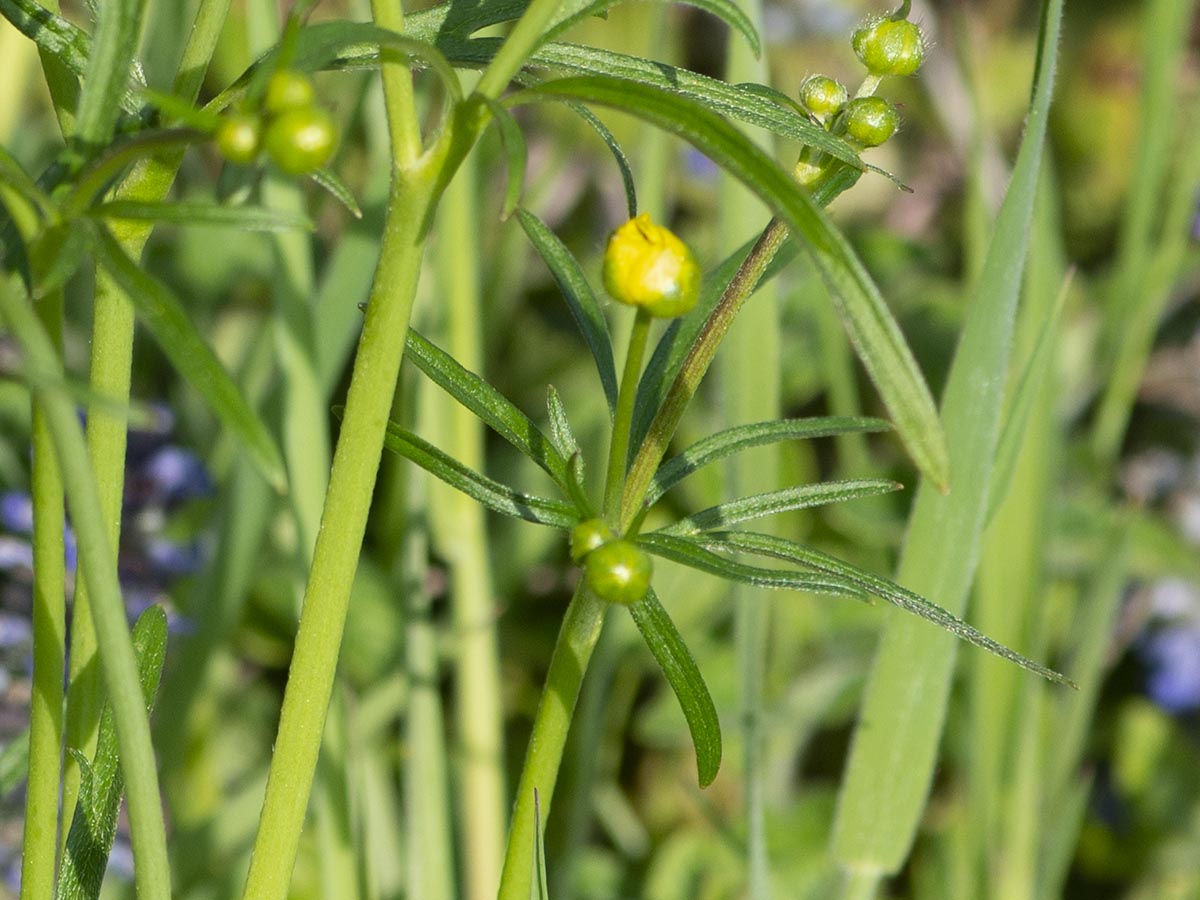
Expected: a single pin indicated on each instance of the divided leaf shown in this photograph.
(684, 676)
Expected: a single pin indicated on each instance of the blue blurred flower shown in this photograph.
(1173, 657)
(16, 512)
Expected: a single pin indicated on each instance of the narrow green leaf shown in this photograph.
(866, 582)
(579, 296)
(684, 676)
(874, 332)
(246, 218)
(614, 147)
(492, 494)
(176, 110)
(733, 440)
(690, 552)
(800, 497)
(14, 177)
(168, 322)
(513, 143)
(492, 407)
(54, 256)
(94, 825)
(333, 184)
(901, 721)
(55, 36)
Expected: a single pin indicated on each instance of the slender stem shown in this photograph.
(39, 848)
(521, 42)
(576, 641)
(109, 382)
(618, 451)
(461, 535)
(699, 357)
(117, 662)
(398, 99)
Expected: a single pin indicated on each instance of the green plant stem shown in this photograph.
(618, 451)
(522, 41)
(39, 847)
(699, 357)
(576, 641)
(109, 382)
(860, 885)
(98, 564)
(461, 535)
(339, 542)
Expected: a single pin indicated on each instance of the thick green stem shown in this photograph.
(339, 542)
(39, 848)
(576, 641)
(98, 564)
(618, 451)
(860, 885)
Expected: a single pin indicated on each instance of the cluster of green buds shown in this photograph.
(615, 570)
(297, 133)
(886, 45)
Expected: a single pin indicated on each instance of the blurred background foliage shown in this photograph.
(1111, 526)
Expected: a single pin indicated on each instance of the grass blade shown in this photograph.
(892, 761)
(246, 218)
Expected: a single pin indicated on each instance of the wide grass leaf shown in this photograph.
(799, 497)
(894, 752)
(164, 316)
(684, 676)
(872, 328)
(581, 300)
(492, 494)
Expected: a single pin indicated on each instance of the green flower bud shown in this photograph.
(618, 572)
(300, 141)
(647, 266)
(823, 96)
(587, 536)
(889, 46)
(287, 90)
(870, 121)
(239, 138)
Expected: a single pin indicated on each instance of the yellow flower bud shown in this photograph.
(647, 266)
